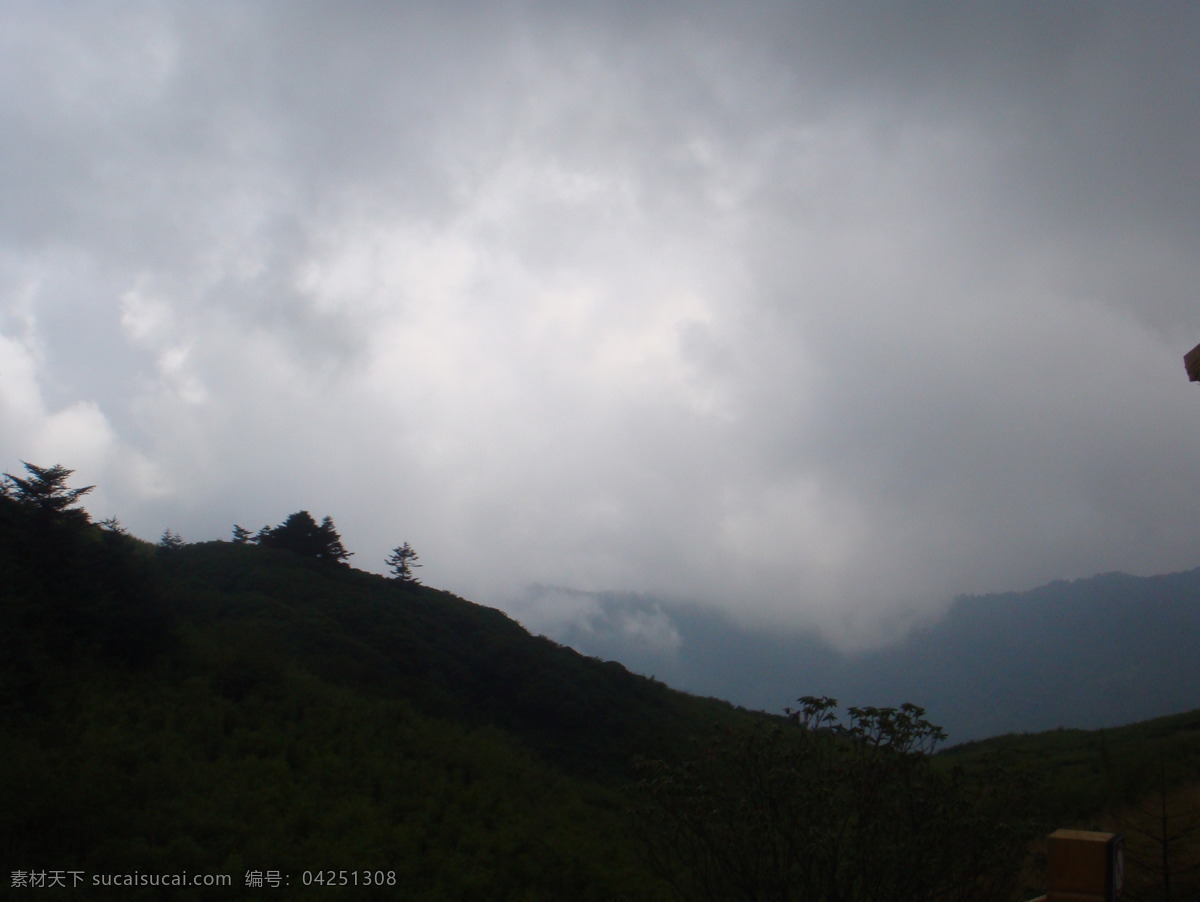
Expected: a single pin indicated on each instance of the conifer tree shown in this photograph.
(300, 534)
(332, 548)
(401, 562)
(113, 525)
(46, 489)
(171, 541)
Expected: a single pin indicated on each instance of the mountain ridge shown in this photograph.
(1091, 652)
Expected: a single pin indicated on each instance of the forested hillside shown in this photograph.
(260, 711)
(231, 708)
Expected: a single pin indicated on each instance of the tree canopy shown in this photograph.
(301, 534)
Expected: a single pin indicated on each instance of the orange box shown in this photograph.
(1082, 866)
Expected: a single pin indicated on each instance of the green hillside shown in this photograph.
(260, 711)
(1089, 772)
(228, 708)
(1141, 780)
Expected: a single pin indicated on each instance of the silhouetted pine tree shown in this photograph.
(401, 562)
(46, 489)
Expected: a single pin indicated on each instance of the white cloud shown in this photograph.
(77, 435)
(799, 311)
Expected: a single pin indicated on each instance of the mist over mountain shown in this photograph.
(1089, 653)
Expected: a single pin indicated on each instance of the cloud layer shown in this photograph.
(817, 313)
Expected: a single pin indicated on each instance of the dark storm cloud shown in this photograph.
(817, 312)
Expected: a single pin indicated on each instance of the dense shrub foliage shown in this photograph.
(814, 809)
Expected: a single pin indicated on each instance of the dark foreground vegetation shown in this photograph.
(258, 709)
(1140, 780)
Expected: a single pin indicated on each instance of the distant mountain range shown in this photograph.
(1090, 653)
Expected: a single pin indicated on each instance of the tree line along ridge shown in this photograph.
(44, 490)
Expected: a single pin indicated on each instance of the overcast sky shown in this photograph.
(818, 313)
